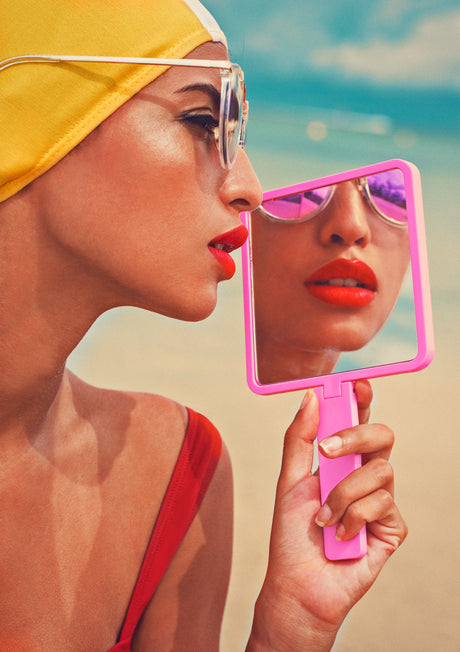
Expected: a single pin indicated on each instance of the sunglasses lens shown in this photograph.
(298, 206)
(233, 126)
(385, 191)
(233, 114)
(388, 194)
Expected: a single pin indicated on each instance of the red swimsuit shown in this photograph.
(192, 474)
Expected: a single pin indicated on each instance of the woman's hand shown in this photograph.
(305, 597)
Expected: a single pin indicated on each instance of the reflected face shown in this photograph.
(144, 204)
(327, 284)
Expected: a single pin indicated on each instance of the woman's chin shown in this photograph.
(356, 341)
(193, 310)
(196, 315)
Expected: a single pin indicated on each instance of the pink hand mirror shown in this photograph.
(336, 288)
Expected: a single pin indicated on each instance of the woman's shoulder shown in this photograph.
(139, 425)
(136, 426)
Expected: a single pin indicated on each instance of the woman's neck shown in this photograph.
(46, 306)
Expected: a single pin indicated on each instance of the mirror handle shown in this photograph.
(337, 412)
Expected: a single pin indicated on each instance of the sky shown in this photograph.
(397, 57)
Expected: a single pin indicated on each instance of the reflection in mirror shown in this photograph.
(331, 279)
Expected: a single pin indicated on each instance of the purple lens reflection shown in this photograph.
(297, 206)
(388, 194)
(384, 190)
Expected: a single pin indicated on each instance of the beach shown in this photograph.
(415, 603)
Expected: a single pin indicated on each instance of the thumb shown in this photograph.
(298, 443)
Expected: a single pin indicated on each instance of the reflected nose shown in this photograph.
(345, 219)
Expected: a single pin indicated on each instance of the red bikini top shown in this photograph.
(192, 474)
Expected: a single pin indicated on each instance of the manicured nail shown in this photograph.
(331, 444)
(340, 532)
(306, 398)
(324, 515)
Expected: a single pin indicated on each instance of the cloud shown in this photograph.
(428, 56)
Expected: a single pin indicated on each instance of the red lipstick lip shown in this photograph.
(357, 290)
(224, 244)
(231, 239)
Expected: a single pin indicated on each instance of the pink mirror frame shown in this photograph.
(419, 264)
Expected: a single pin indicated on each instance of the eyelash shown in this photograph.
(204, 121)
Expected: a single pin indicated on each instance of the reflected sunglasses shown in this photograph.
(229, 135)
(384, 192)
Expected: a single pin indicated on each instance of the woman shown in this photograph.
(327, 281)
(116, 506)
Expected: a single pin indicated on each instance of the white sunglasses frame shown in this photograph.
(232, 80)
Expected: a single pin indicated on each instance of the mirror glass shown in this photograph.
(331, 278)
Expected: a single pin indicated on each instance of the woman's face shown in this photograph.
(299, 304)
(143, 201)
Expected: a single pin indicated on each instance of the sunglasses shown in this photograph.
(229, 135)
(384, 192)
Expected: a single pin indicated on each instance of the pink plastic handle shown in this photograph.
(336, 412)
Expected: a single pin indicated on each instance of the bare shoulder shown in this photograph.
(187, 608)
(134, 424)
(139, 437)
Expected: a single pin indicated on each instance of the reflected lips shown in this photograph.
(344, 283)
(224, 244)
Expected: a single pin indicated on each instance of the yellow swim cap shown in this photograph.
(47, 109)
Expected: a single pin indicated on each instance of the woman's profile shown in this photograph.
(122, 179)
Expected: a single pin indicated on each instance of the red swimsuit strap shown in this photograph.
(192, 474)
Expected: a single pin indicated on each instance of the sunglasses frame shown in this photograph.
(363, 187)
(232, 82)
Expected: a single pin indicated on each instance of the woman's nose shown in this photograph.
(241, 187)
(345, 220)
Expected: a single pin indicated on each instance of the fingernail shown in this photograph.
(340, 532)
(331, 444)
(306, 398)
(324, 515)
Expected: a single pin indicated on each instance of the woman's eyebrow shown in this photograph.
(209, 89)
